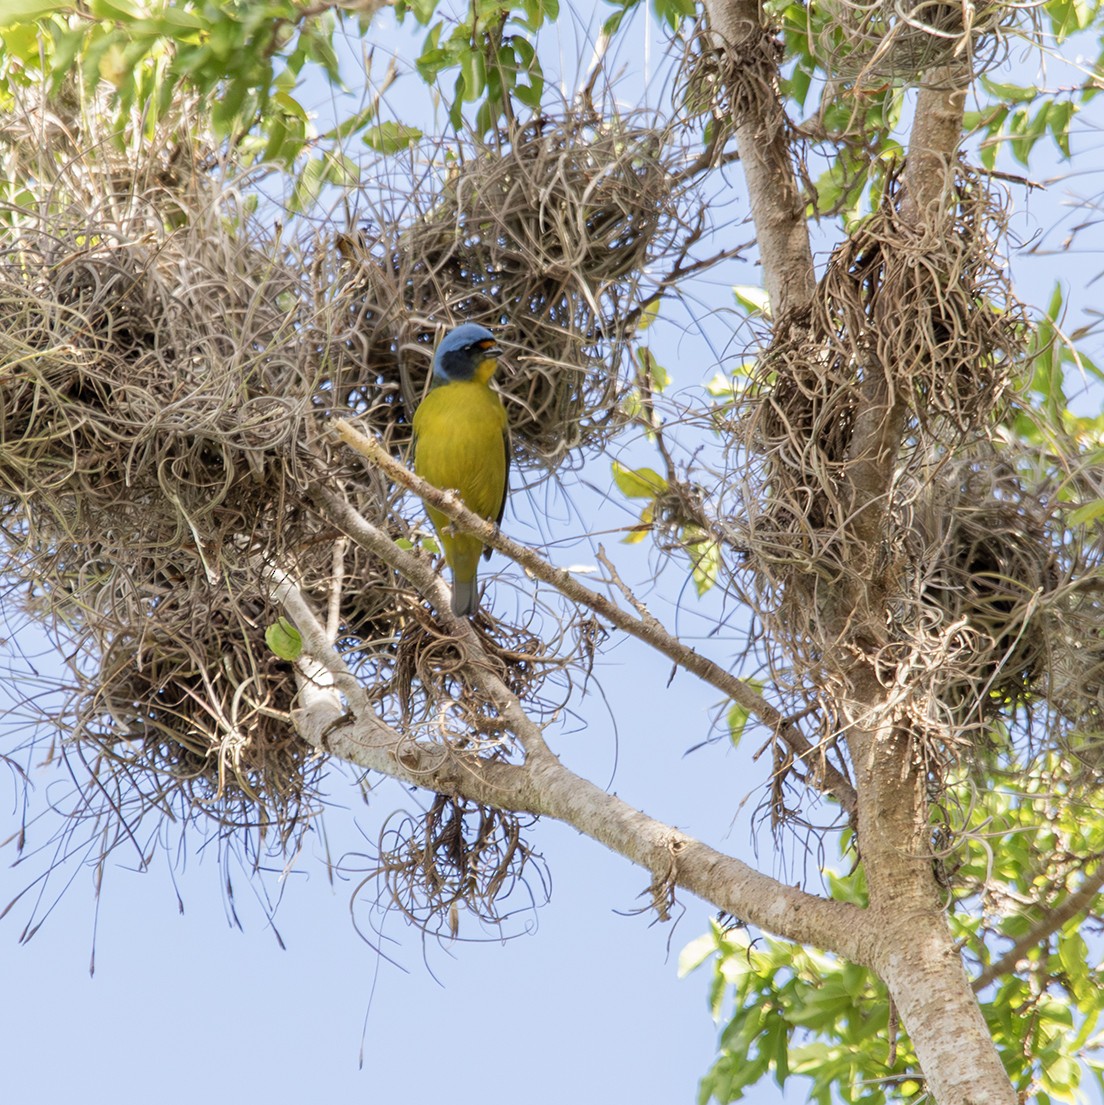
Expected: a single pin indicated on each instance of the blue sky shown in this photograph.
(581, 1004)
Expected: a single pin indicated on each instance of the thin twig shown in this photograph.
(1054, 919)
(333, 615)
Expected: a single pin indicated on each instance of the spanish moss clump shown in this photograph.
(1074, 686)
(417, 680)
(983, 543)
(914, 338)
(872, 40)
(153, 401)
(169, 362)
(922, 326)
(555, 235)
(457, 855)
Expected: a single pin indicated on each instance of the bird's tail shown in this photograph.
(465, 596)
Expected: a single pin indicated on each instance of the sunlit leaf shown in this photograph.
(19, 11)
(1090, 512)
(648, 314)
(753, 300)
(390, 137)
(706, 559)
(284, 640)
(638, 483)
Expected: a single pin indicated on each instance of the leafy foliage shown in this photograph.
(490, 49)
(245, 57)
(796, 1014)
(1018, 853)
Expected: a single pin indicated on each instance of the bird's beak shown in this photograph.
(490, 349)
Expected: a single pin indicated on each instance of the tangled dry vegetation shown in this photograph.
(866, 42)
(980, 593)
(555, 234)
(152, 402)
(457, 855)
(167, 365)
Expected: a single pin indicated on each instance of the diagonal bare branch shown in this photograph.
(335, 717)
(645, 627)
(1080, 900)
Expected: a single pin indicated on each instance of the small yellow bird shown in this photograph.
(461, 442)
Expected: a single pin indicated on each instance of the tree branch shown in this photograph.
(544, 787)
(933, 147)
(645, 628)
(916, 955)
(928, 179)
(1055, 918)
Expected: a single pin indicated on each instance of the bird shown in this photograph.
(462, 443)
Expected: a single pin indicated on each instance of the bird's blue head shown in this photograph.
(466, 353)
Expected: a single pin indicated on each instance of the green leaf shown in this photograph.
(422, 10)
(1068, 16)
(308, 185)
(799, 83)
(473, 70)
(175, 18)
(638, 483)
(1072, 953)
(432, 61)
(721, 386)
(1089, 512)
(1010, 93)
(23, 41)
(724, 387)
(1026, 129)
(389, 137)
(673, 12)
(284, 640)
(658, 377)
(613, 23)
(23, 11)
(346, 127)
(648, 314)
(706, 564)
(696, 953)
(638, 532)
(1058, 120)
(530, 94)
(754, 301)
(737, 719)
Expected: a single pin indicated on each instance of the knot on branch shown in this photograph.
(665, 878)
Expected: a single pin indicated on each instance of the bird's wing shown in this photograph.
(505, 477)
(505, 485)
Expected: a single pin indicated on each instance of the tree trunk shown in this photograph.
(915, 954)
(763, 141)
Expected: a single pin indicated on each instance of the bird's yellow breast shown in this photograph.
(460, 431)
